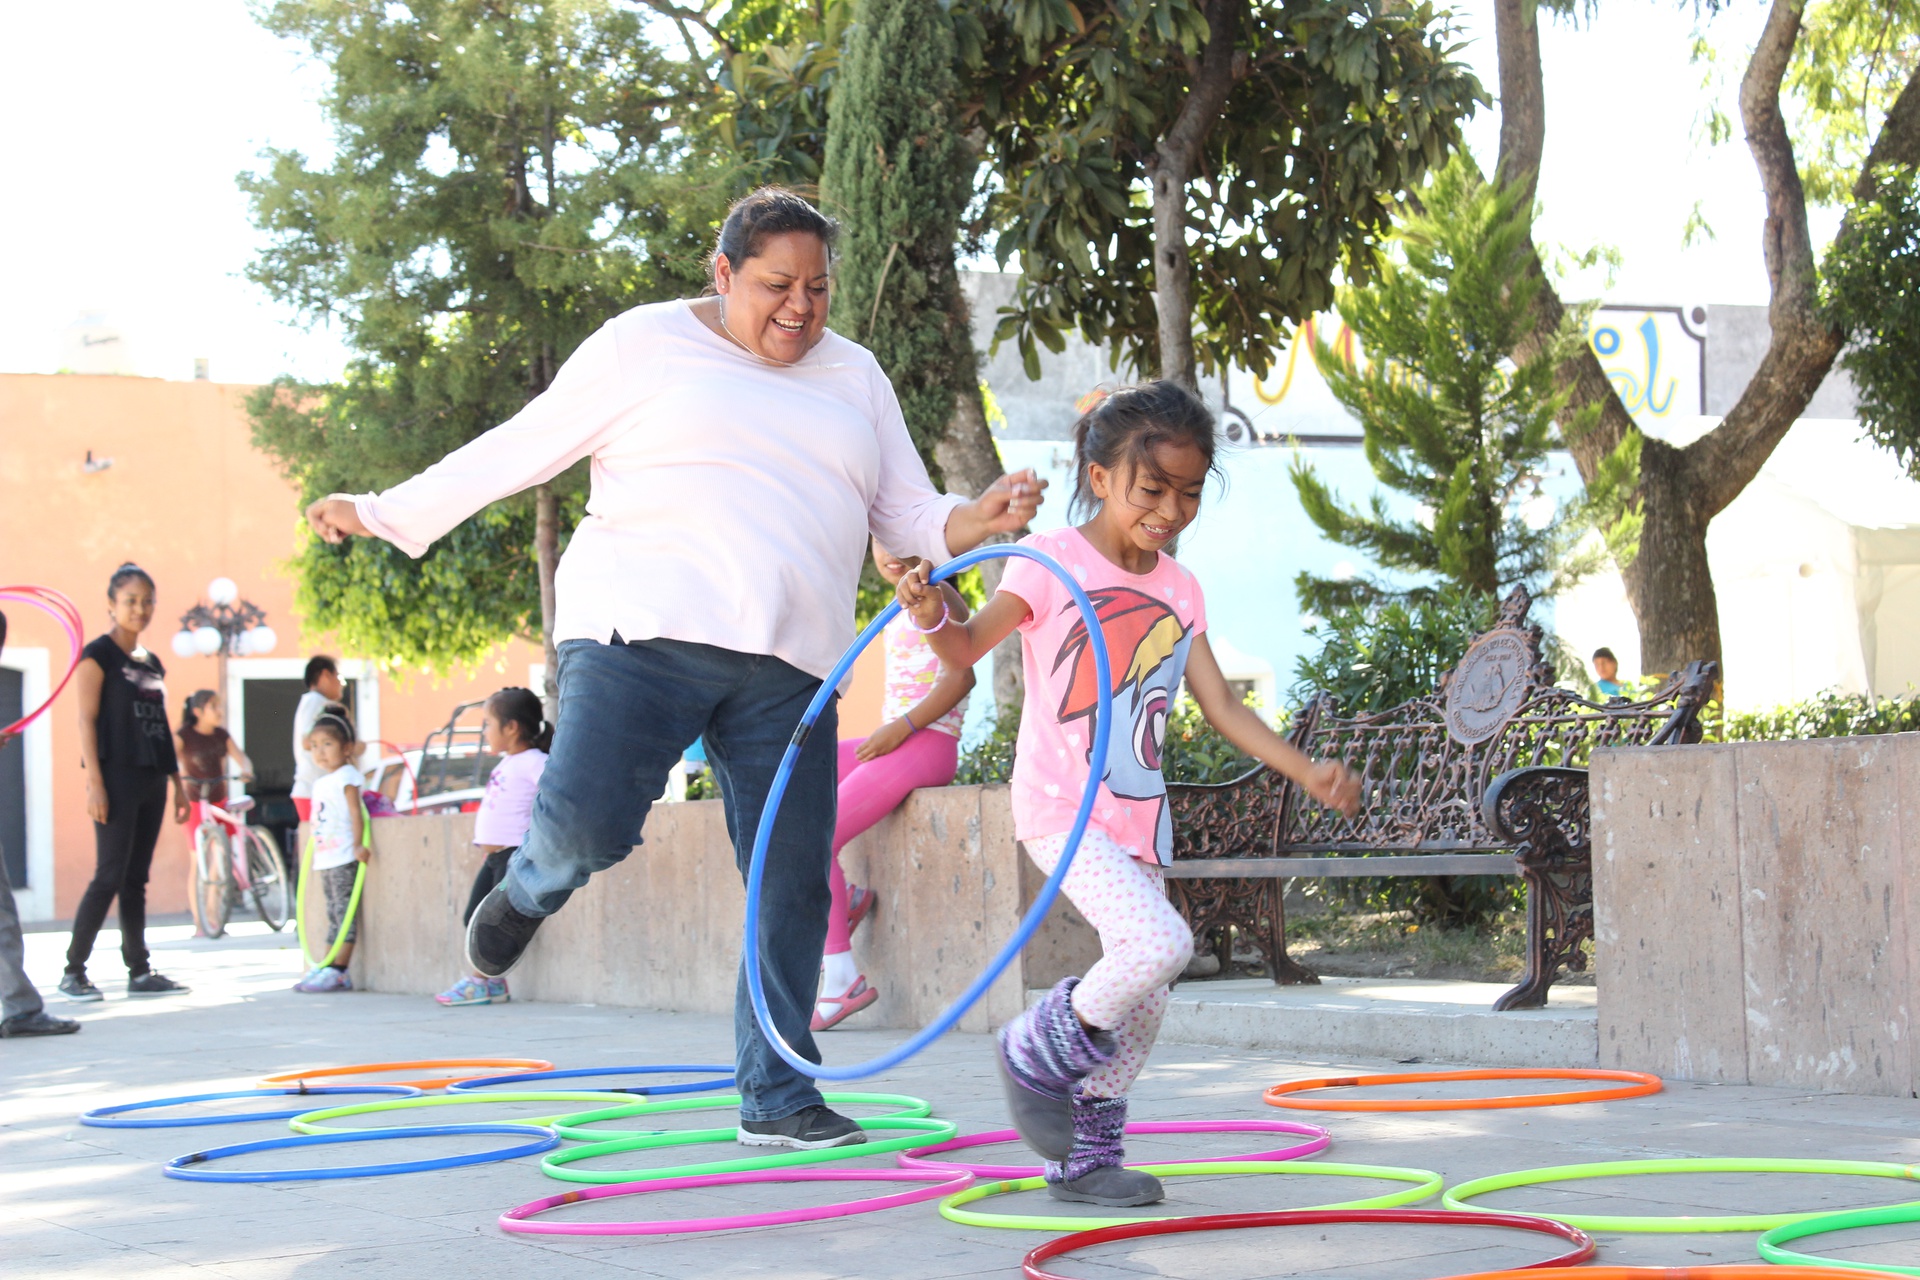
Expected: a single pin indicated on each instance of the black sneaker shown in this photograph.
(808, 1129)
(75, 987)
(155, 984)
(498, 935)
(37, 1023)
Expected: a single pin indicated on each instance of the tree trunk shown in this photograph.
(1670, 583)
(970, 461)
(546, 546)
(1175, 157)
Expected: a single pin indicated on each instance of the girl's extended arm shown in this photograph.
(962, 641)
(239, 758)
(1328, 781)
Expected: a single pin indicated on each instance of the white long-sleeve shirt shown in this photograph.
(731, 499)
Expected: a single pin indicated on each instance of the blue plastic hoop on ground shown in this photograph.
(183, 1166)
(756, 871)
(724, 1081)
(106, 1117)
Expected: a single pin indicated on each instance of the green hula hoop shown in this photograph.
(1425, 1183)
(920, 1133)
(309, 1122)
(1770, 1243)
(1457, 1198)
(573, 1128)
(353, 899)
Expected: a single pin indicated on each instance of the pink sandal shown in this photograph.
(860, 900)
(851, 1001)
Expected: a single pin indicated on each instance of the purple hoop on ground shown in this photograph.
(939, 1183)
(1318, 1140)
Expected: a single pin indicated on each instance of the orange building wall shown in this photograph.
(189, 499)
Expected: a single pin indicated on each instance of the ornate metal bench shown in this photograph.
(1484, 777)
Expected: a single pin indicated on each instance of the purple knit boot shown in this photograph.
(1092, 1173)
(1043, 1054)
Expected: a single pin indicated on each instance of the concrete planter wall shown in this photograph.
(662, 930)
(1753, 922)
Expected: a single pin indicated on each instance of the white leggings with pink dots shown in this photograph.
(1146, 945)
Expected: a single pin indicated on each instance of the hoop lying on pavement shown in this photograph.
(1770, 1243)
(722, 1073)
(115, 1117)
(1457, 1198)
(309, 1121)
(428, 1064)
(1318, 1140)
(573, 1127)
(518, 1220)
(1744, 1271)
(555, 1165)
(1637, 1084)
(185, 1167)
(1425, 1183)
(1582, 1242)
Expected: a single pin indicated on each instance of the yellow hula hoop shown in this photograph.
(353, 899)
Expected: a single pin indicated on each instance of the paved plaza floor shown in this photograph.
(87, 1202)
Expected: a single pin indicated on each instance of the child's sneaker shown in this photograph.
(497, 990)
(326, 978)
(470, 990)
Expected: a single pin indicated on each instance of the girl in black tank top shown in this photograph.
(127, 751)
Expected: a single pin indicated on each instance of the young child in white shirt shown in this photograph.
(339, 820)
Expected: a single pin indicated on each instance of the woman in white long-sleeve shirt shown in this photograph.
(742, 455)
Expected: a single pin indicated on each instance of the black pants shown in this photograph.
(122, 858)
(491, 872)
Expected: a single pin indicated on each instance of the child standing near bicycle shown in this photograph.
(339, 847)
(516, 732)
(1142, 458)
(205, 748)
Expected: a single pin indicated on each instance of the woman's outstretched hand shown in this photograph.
(335, 519)
(1335, 786)
(919, 598)
(1007, 506)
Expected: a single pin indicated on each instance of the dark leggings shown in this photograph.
(122, 857)
(491, 873)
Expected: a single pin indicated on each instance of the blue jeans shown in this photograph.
(627, 711)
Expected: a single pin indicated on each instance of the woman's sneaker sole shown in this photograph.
(855, 1138)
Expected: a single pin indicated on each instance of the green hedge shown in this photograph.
(1831, 714)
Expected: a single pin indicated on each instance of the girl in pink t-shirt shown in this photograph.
(1141, 460)
(515, 731)
(916, 745)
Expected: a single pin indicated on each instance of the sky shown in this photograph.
(125, 123)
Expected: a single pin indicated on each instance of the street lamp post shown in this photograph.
(226, 625)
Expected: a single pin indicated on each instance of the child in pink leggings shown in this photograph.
(916, 745)
(1141, 461)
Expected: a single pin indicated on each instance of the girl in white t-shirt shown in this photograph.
(514, 731)
(1142, 458)
(339, 825)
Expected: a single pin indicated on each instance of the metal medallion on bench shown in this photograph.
(1487, 776)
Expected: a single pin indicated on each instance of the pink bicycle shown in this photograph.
(233, 862)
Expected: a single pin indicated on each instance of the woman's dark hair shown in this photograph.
(127, 573)
(517, 706)
(333, 718)
(318, 665)
(1121, 432)
(770, 211)
(190, 709)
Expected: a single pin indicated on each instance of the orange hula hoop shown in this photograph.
(1738, 1271)
(482, 1067)
(1634, 1084)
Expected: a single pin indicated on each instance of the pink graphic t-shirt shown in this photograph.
(912, 669)
(1149, 621)
(506, 811)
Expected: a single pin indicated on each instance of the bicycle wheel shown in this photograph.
(212, 878)
(266, 880)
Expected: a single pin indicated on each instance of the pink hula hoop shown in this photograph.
(63, 611)
(1318, 1140)
(939, 1184)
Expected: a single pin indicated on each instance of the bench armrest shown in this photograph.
(1521, 803)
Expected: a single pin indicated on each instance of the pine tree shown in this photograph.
(1449, 419)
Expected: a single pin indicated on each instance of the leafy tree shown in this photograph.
(505, 179)
(1447, 418)
(1681, 488)
(1181, 178)
(1872, 290)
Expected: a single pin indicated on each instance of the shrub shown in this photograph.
(1830, 714)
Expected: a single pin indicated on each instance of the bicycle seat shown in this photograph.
(240, 806)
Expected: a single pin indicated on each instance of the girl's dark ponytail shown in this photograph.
(521, 707)
(199, 698)
(1122, 429)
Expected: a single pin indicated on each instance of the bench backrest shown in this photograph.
(1426, 763)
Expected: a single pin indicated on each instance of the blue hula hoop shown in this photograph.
(183, 1166)
(757, 868)
(106, 1117)
(725, 1081)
